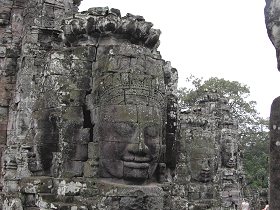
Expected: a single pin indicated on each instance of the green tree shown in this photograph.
(253, 128)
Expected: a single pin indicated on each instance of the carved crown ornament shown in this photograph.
(104, 22)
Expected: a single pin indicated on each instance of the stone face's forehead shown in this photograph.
(118, 113)
(148, 114)
(202, 139)
(130, 113)
(131, 76)
(229, 147)
(201, 152)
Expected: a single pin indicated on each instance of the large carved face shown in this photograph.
(229, 152)
(130, 139)
(203, 159)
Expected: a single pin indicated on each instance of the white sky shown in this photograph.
(220, 38)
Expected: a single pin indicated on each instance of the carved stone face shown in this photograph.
(202, 167)
(229, 153)
(130, 139)
(203, 161)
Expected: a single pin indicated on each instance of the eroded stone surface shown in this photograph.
(89, 117)
(272, 14)
(88, 102)
(209, 154)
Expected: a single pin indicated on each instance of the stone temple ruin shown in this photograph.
(210, 154)
(272, 15)
(90, 118)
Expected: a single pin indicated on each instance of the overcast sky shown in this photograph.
(221, 38)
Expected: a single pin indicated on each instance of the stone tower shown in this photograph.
(209, 154)
(89, 117)
(272, 16)
(89, 109)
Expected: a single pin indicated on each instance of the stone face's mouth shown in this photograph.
(136, 165)
(205, 175)
(136, 159)
(231, 163)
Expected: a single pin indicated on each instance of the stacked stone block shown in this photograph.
(209, 154)
(51, 158)
(60, 68)
(25, 38)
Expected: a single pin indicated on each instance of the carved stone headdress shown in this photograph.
(127, 70)
(128, 78)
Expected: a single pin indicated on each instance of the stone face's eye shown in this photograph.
(124, 128)
(151, 131)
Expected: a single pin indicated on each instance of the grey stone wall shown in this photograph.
(210, 167)
(89, 117)
(51, 158)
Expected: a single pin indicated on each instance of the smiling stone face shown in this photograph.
(229, 152)
(130, 139)
(128, 104)
(203, 158)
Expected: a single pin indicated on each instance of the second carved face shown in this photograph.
(229, 153)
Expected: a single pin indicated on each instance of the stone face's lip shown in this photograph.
(139, 165)
(231, 164)
(136, 159)
(205, 175)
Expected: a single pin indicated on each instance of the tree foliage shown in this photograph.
(253, 128)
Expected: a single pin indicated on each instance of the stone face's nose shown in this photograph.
(138, 146)
(205, 166)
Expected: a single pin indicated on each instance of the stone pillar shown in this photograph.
(28, 30)
(11, 23)
(274, 201)
(272, 15)
(209, 161)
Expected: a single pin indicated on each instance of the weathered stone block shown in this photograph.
(55, 2)
(2, 65)
(2, 51)
(30, 200)
(11, 186)
(79, 152)
(65, 187)
(102, 11)
(93, 150)
(33, 185)
(91, 189)
(75, 135)
(4, 19)
(48, 11)
(73, 169)
(91, 169)
(47, 22)
(45, 153)
(3, 137)
(12, 52)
